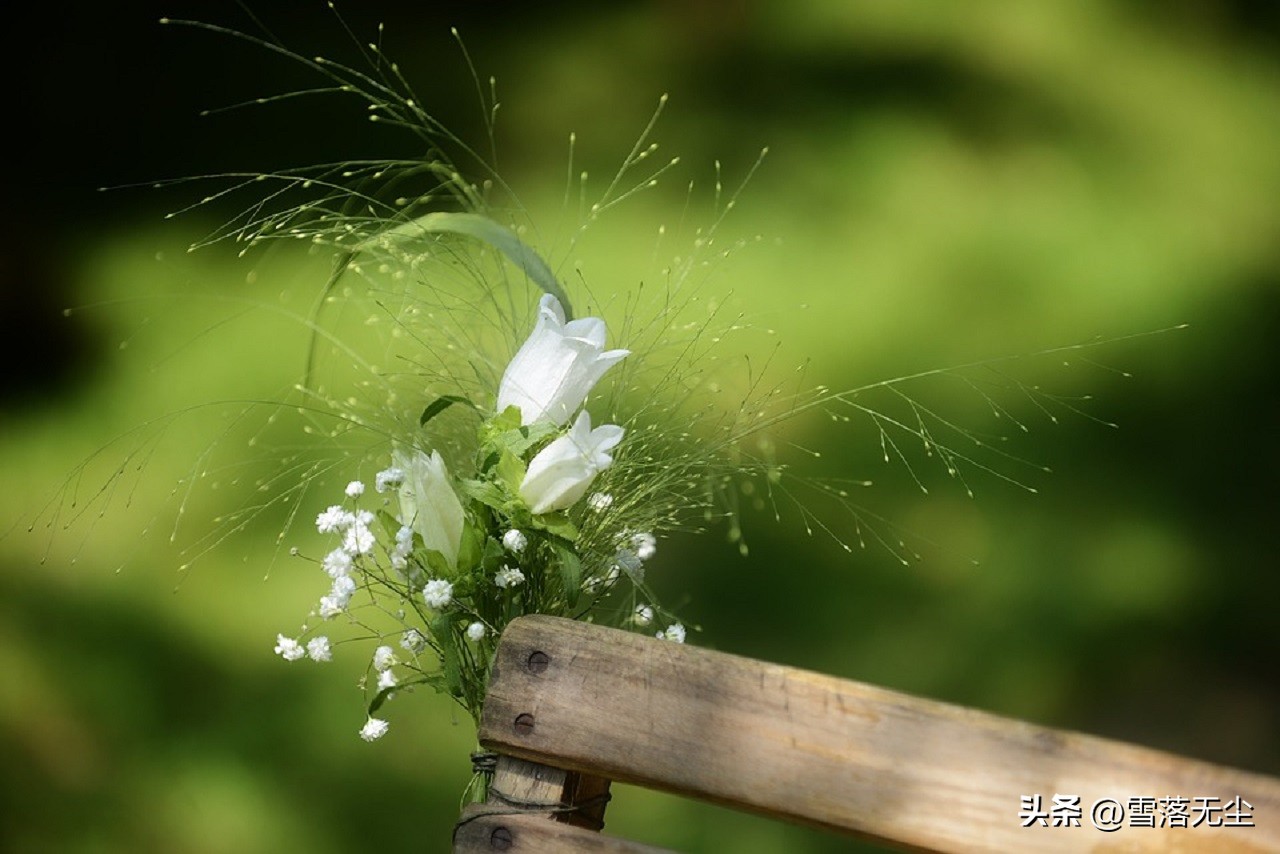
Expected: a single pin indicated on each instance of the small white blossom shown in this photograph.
(355, 489)
(476, 631)
(288, 648)
(387, 679)
(388, 478)
(643, 615)
(383, 658)
(674, 632)
(374, 729)
(413, 641)
(337, 563)
(508, 576)
(600, 501)
(331, 606)
(514, 541)
(333, 520)
(438, 593)
(404, 539)
(344, 587)
(318, 649)
(358, 540)
(645, 545)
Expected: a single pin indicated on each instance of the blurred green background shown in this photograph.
(947, 182)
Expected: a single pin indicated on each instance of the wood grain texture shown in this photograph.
(833, 753)
(570, 797)
(483, 830)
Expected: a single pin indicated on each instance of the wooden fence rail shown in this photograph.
(573, 706)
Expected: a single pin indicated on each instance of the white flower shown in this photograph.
(438, 593)
(428, 503)
(674, 632)
(476, 631)
(358, 539)
(355, 489)
(288, 648)
(508, 576)
(514, 541)
(643, 615)
(344, 587)
(333, 520)
(562, 471)
(331, 606)
(557, 366)
(599, 501)
(388, 478)
(413, 641)
(387, 679)
(645, 545)
(336, 563)
(374, 729)
(318, 649)
(383, 658)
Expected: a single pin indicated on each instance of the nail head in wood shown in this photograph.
(523, 724)
(538, 661)
(500, 839)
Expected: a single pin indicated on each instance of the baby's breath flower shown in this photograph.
(438, 593)
(383, 658)
(645, 545)
(344, 587)
(599, 501)
(355, 489)
(413, 641)
(333, 520)
(337, 563)
(374, 729)
(514, 541)
(331, 606)
(476, 631)
(387, 679)
(358, 539)
(288, 648)
(318, 649)
(508, 576)
(388, 478)
(643, 615)
(674, 632)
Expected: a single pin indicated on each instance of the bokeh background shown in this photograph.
(946, 182)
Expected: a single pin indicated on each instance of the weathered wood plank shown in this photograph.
(835, 753)
(570, 797)
(483, 830)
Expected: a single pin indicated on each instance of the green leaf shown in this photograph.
(435, 680)
(487, 231)
(440, 404)
(511, 472)
(487, 493)
(451, 661)
(470, 549)
(570, 574)
(558, 524)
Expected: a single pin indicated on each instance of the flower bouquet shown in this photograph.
(505, 454)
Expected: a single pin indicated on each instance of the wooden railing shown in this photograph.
(573, 706)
